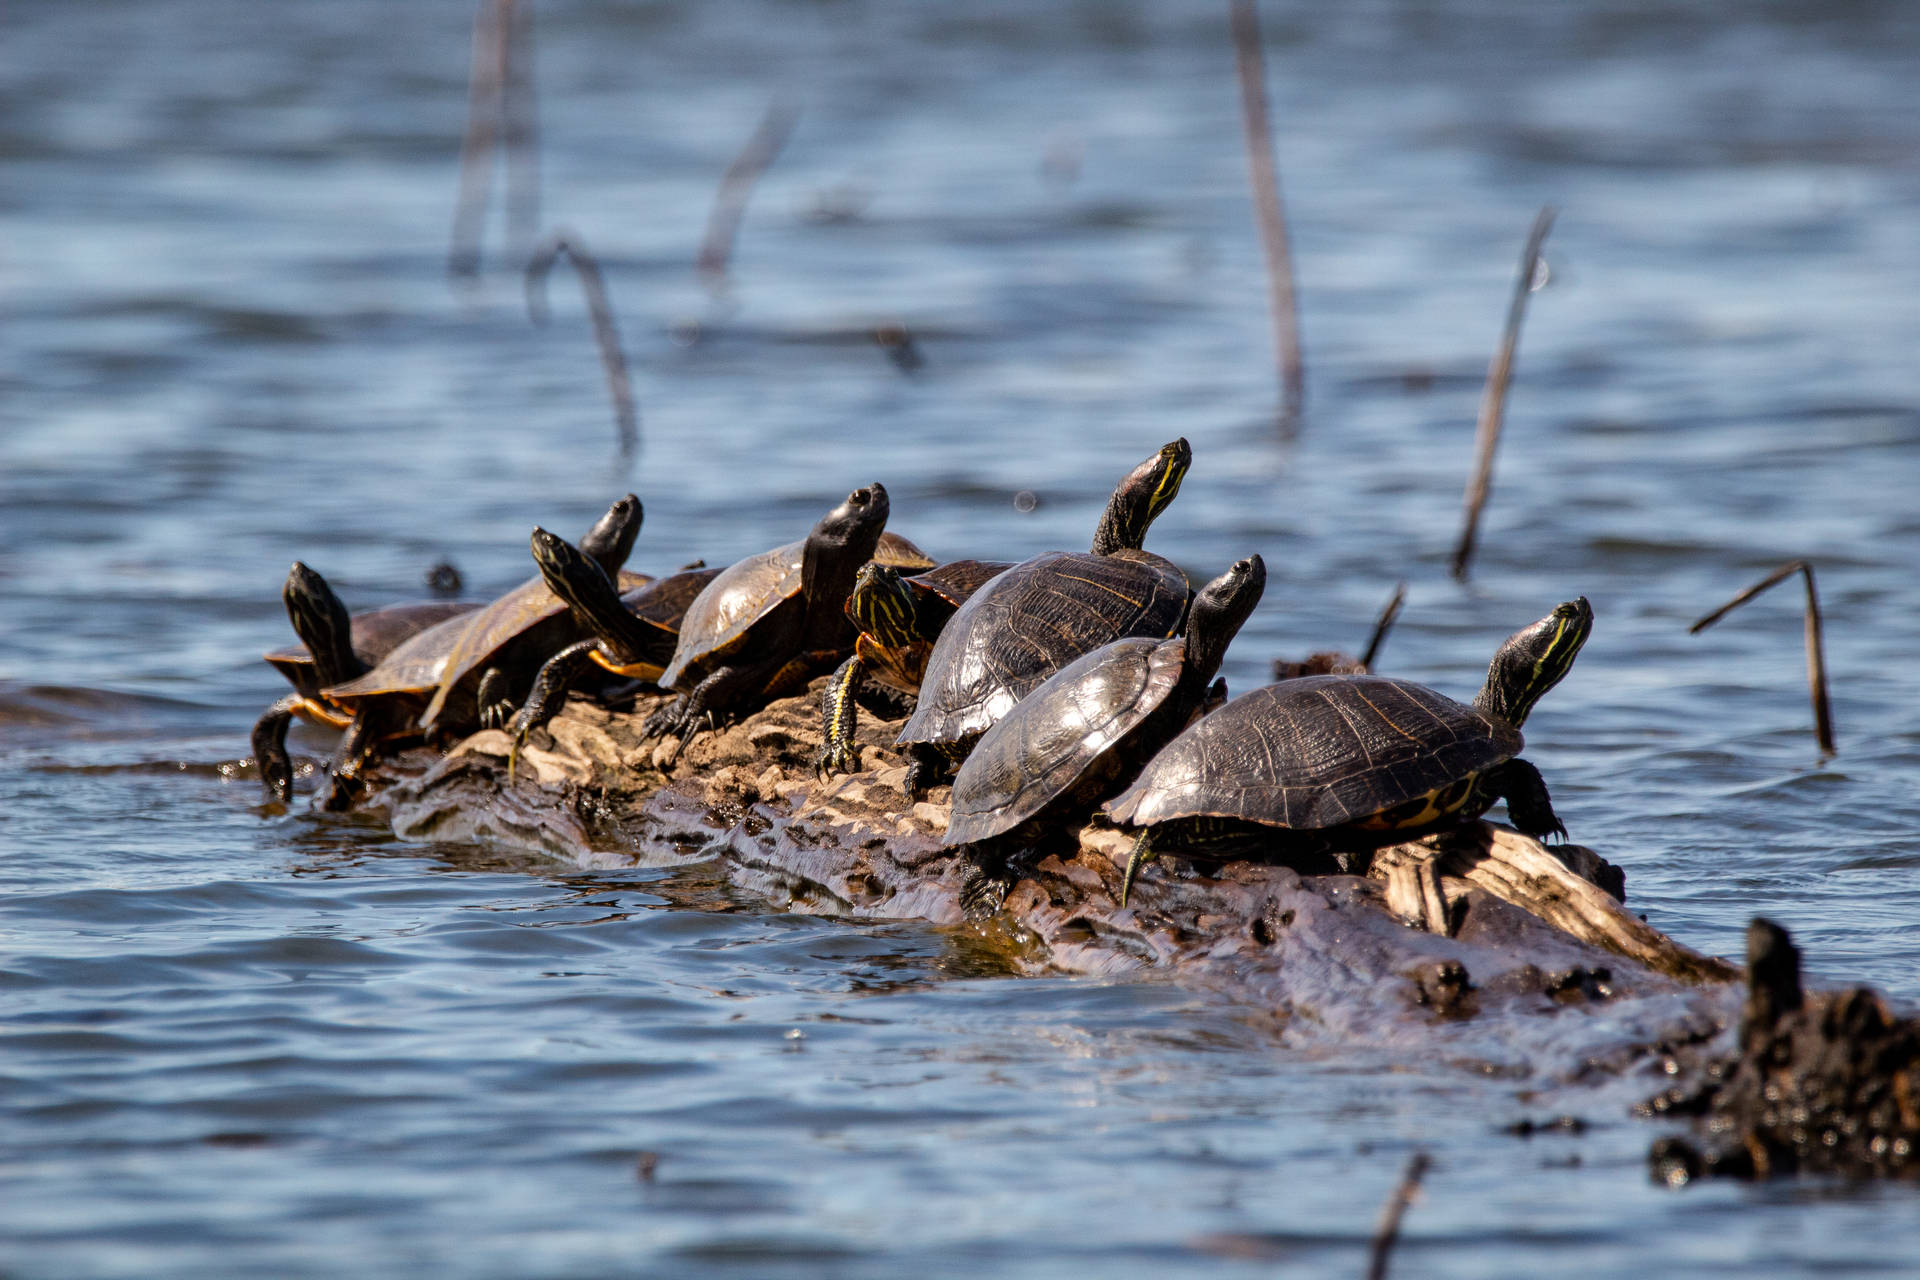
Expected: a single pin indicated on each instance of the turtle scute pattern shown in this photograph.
(1029, 758)
(1025, 624)
(1317, 752)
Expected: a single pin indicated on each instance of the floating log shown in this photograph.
(1480, 946)
(1509, 932)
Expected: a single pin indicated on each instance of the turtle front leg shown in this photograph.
(548, 695)
(840, 716)
(931, 763)
(270, 747)
(713, 695)
(1528, 805)
(349, 758)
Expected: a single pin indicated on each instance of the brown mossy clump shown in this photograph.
(1824, 1082)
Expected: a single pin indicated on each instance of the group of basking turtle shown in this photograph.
(1071, 682)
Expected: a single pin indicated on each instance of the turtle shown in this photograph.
(1091, 725)
(334, 648)
(899, 617)
(1346, 764)
(461, 669)
(632, 634)
(768, 622)
(1042, 614)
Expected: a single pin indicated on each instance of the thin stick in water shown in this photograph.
(1816, 643)
(1271, 216)
(1388, 1232)
(593, 284)
(484, 91)
(1493, 402)
(1384, 625)
(723, 224)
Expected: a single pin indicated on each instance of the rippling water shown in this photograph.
(242, 1041)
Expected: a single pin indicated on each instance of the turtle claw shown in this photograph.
(838, 758)
(517, 729)
(665, 721)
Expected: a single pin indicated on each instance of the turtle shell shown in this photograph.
(665, 602)
(376, 633)
(1032, 620)
(529, 611)
(937, 593)
(718, 620)
(957, 580)
(901, 553)
(743, 594)
(1059, 733)
(662, 605)
(1316, 753)
(437, 659)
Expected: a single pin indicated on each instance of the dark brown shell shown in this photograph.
(1315, 753)
(376, 633)
(1032, 620)
(718, 620)
(1058, 734)
(957, 580)
(901, 553)
(743, 594)
(440, 658)
(665, 603)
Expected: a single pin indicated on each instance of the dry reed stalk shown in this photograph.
(1388, 1232)
(1269, 213)
(518, 108)
(626, 413)
(1493, 402)
(1384, 625)
(500, 116)
(1816, 644)
(723, 224)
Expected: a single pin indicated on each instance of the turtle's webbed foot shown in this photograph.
(667, 721)
(985, 882)
(837, 758)
(340, 792)
(495, 707)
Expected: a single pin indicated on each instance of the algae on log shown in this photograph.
(1478, 962)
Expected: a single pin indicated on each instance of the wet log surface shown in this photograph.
(1484, 948)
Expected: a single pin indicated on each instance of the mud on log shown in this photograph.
(1449, 945)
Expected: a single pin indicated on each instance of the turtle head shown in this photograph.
(1217, 614)
(1142, 496)
(845, 539)
(578, 579)
(610, 541)
(883, 605)
(322, 624)
(1532, 661)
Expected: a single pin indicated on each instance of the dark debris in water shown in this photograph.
(1824, 1082)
